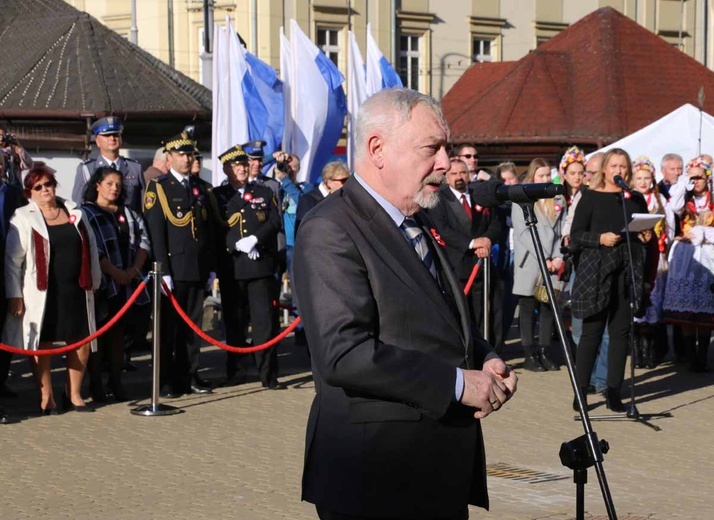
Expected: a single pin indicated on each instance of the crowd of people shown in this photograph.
(588, 262)
(70, 265)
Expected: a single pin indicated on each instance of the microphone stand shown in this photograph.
(585, 451)
(632, 411)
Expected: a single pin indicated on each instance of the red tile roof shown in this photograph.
(601, 79)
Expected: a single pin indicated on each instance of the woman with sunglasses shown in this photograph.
(689, 294)
(51, 272)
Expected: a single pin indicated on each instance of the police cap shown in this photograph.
(110, 125)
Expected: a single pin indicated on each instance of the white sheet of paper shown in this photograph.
(642, 221)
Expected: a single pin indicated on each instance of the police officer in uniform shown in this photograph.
(181, 214)
(107, 134)
(247, 265)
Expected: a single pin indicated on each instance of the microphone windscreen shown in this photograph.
(483, 193)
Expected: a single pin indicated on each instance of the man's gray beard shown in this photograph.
(427, 199)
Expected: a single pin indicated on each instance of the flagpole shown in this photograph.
(350, 108)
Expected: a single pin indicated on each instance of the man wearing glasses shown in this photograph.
(467, 153)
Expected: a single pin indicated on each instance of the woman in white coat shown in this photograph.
(51, 272)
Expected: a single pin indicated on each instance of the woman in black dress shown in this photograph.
(602, 288)
(51, 271)
(123, 245)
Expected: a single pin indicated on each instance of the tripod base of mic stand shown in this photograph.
(632, 414)
(156, 410)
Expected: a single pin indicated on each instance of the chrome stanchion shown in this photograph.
(486, 298)
(155, 408)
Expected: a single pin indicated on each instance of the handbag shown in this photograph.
(541, 293)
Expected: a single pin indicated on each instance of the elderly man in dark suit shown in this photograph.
(401, 379)
(469, 230)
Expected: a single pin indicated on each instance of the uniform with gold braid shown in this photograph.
(183, 224)
(248, 284)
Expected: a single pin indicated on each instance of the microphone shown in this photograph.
(491, 193)
(620, 182)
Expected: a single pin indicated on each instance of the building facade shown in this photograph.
(430, 42)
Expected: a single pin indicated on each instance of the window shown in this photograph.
(328, 41)
(409, 60)
(481, 49)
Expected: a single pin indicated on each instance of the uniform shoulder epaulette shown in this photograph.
(162, 177)
(129, 159)
(90, 160)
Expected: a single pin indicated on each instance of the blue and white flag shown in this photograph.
(356, 91)
(247, 99)
(317, 105)
(380, 74)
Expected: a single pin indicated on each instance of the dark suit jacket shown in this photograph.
(308, 201)
(384, 437)
(259, 216)
(457, 230)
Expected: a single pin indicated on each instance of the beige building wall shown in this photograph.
(432, 42)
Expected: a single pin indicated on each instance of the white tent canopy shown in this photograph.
(677, 132)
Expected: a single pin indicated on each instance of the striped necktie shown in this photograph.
(418, 240)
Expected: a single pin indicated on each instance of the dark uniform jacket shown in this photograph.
(254, 213)
(384, 437)
(132, 179)
(182, 225)
(457, 230)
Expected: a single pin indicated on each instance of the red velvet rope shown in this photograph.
(223, 346)
(78, 344)
(474, 272)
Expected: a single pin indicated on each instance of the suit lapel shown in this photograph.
(37, 221)
(454, 285)
(396, 252)
(458, 209)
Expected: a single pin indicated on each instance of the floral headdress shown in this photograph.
(700, 162)
(572, 155)
(643, 163)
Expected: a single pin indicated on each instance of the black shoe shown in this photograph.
(6, 392)
(199, 381)
(613, 401)
(590, 390)
(168, 392)
(275, 385)
(68, 406)
(235, 380)
(546, 361)
(532, 363)
(4, 418)
(200, 386)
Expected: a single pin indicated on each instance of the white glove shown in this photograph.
(244, 245)
(168, 281)
(253, 254)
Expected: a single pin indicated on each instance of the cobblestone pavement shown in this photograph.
(238, 452)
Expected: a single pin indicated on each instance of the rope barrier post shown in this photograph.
(155, 408)
(486, 297)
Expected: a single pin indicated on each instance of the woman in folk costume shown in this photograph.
(689, 294)
(650, 332)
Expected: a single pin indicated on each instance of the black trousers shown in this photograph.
(326, 514)
(180, 346)
(616, 316)
(526, 322)
(250, 301)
